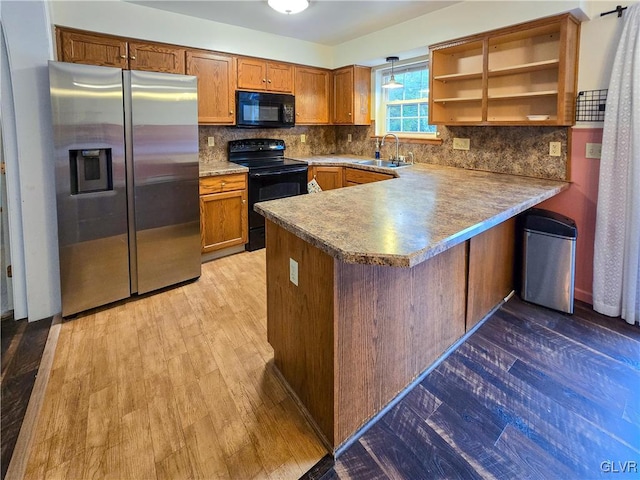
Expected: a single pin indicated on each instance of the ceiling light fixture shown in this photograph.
(392, 81)
(289, 6)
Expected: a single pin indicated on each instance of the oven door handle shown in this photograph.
(277, 172)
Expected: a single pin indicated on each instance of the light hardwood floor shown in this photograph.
(173, 385)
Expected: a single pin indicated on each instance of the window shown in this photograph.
(405, 111)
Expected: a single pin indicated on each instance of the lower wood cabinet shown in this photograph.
(355, 176)
(327, 177)
(223, 211)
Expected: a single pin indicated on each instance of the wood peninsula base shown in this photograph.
(349, 337)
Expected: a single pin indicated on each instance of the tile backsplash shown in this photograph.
(514, 150)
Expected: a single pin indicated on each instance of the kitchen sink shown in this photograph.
(383, 163)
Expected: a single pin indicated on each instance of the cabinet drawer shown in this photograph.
(223, 183)
(354, 175)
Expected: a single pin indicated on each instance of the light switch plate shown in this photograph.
(555, 149)
(211, 141)
(293, 271)
(461, 143)
(303, 138)
(593, 150)
(349, 137)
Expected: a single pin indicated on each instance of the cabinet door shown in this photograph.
(312, 95)
(223, 220)
(156, 57)
(216, 86)
(357, 176)
(329, 177)
(252, 74)
(343, 96)
(279, 77)
(91, 49)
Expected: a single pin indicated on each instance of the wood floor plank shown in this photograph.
(601, 340)
(556, 429)
(205, 455)
(591, 411)
(356, 463)
(402, 454)
(597, 378)
(539, 463)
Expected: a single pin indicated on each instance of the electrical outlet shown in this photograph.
(554, 149)
(349, 137)
(594, 150)
(211, 141)
(303, 138)
(293, 271)
(461, 143)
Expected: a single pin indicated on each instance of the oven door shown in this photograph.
(268, 185)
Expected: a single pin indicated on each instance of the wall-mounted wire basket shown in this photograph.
(591, 105)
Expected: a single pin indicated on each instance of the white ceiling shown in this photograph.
(327, 22)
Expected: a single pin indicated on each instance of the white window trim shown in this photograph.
(380, 105)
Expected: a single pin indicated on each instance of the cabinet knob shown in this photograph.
(230, 112)
(244, 201)
(224, 183)
(349, 113)
(132, 57)
(269, 81)
(123, 56)
(264, 80)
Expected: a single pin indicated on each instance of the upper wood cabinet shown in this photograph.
(216, 74)
(312, 90)
(257, 74)
(156, 57)
(97, 49)
(351, 96)
(521, 75)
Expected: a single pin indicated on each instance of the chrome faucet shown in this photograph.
(397, 157)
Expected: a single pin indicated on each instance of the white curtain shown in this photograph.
(616, 276)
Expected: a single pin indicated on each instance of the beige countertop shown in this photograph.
(226, 168)
(406, 220)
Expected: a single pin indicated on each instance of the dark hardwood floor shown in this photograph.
(532, 393)
(22, 347)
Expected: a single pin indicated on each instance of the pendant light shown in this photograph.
(288, 6)
(392, 81)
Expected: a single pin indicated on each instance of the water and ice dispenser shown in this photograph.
(90, 170)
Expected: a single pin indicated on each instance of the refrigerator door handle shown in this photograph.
(128, 163)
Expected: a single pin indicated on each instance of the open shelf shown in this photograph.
(525, 67)
(523, 95)
(457, 99)
(452, 77)
(500, 77)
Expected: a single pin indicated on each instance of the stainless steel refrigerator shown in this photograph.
(126, 170)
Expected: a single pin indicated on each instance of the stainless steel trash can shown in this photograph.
(549, 257)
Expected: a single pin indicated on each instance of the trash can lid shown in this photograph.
(546, 221)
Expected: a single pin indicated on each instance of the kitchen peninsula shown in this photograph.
(387, 276)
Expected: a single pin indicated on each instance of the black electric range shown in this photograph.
(271, 176)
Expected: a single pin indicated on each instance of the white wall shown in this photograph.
(26, 29)
(412, 38)
(136, 21)
(599, 39)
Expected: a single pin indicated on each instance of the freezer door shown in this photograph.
(91, 198)
(164, 134)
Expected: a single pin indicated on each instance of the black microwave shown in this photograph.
(262, 109)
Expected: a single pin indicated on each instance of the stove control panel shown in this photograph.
(256, 145)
